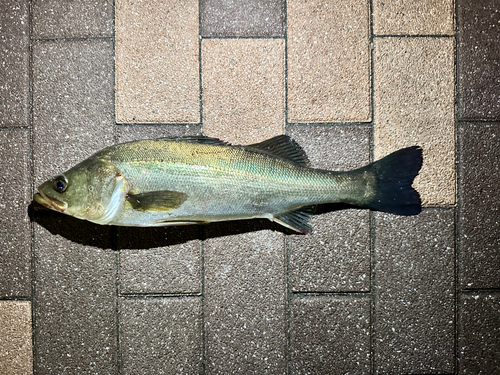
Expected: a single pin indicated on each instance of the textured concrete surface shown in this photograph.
(363, 293)
(72, 19)
(414, 105)
(243, 89)
(15, 234)
(328, 61)
(246, 18)
(16, 356)
(157, 68)
(423, 17)
(14, 54)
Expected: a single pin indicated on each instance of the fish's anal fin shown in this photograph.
(284, 147)
(296, 220)
(165, 200)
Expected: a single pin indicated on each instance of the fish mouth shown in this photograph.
(51, 203)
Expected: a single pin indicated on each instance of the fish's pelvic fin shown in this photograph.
(394, 176)
(296, 220)
(157, 200)
(284, 147)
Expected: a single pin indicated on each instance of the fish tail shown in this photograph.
(394, 176)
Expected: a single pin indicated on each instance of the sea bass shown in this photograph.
(194, 180)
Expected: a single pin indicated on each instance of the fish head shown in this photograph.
(93, 190)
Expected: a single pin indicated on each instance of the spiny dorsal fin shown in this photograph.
(157, 200)
(200, 139)
(284, 147)
(297, 220)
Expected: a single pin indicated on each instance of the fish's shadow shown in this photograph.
(112, 237)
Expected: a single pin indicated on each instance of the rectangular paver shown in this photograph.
(414, 105)
(335, 256)
(479, 217)
(415, 293)
(328, 61)
(72, 19)
(244, 301)
(72, 103)
(14, 54)
(478, 59)
(15, 196)
(330, 335)
(157, 67)
(75, 297)
(479, 334)
(16, 356)
(423, 17)
(243, 88)
(161, 336)
(242, 18)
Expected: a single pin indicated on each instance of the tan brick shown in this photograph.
(157, 68)
(414, 105)
(419, 17)
(15, 331)
(328, 61)
(243, 89)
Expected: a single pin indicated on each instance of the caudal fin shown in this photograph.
(394, 175)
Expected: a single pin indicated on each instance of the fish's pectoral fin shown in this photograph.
(284, 147)
(165, 200)
(296, 220)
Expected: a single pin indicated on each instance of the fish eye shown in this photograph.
(60, 183)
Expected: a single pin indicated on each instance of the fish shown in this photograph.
(198, 180)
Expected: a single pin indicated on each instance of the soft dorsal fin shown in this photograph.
(284, 147)
(156, 200)
(201, 139)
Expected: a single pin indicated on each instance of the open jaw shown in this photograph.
(51, 203)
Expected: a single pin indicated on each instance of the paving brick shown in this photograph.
(479, 214)
(335, 256)
(414, 306)
(157, 67)
(328, 61)
(479, 334)
(243, 89)
(16, 356)
(242, 18)
(15, 233)
(244, 301)
(414, 105)
(478, 59)
(424, 17)
(72, 19)
(14, 54)
(75, 297)
(72, 103)
(330, 335)
(161, 336)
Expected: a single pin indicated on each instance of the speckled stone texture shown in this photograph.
(245, 18)
(478, 58)
(415, 292)
(423, 17)
(161, 336)
(72, 19)
(14, 54)
(243, 89)
(479, 334)
(72, 103)
(15, 234)
(75, 297)
(330, 335)
(335, 256)
(16, 356)
(328, 61)
(414, 105)
(479, 217)
(244, 300)
(157, 67)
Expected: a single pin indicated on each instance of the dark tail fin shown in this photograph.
(395, 174)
